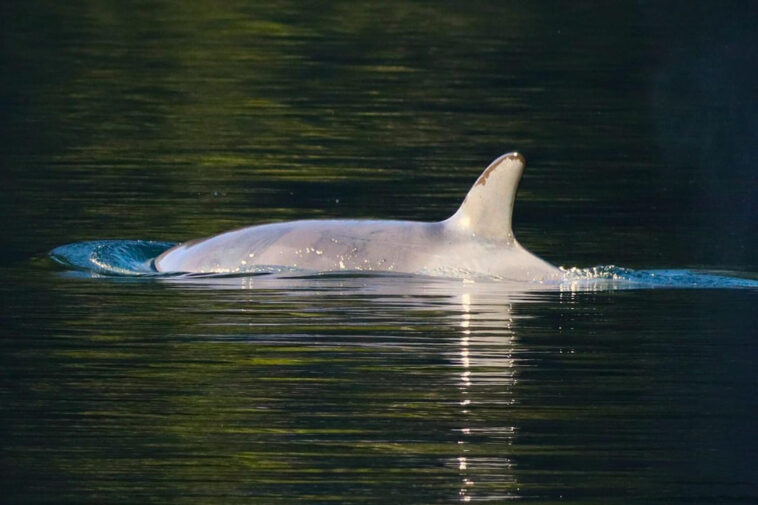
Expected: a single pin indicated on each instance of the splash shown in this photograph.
(111, 257)
(607, 277)
(130, 258)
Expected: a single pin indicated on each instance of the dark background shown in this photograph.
(168, 120)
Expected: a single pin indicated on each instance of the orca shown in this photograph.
(476, 241)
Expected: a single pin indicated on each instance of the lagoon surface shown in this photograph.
(178, 120)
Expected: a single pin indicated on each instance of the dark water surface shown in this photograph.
(174, 120)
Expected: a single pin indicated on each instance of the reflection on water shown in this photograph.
(499, 370)
(356, 389)
(333, 389)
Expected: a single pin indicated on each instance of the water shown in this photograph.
(175, 121)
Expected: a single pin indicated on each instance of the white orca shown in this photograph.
(476, 241)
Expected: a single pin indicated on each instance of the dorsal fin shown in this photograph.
(488, 207)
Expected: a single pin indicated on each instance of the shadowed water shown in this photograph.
(125, 121)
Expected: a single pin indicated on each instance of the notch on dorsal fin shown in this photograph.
(488, 207)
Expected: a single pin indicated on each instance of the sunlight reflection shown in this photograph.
(465, 384)
(478, 338)
(485, 358)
